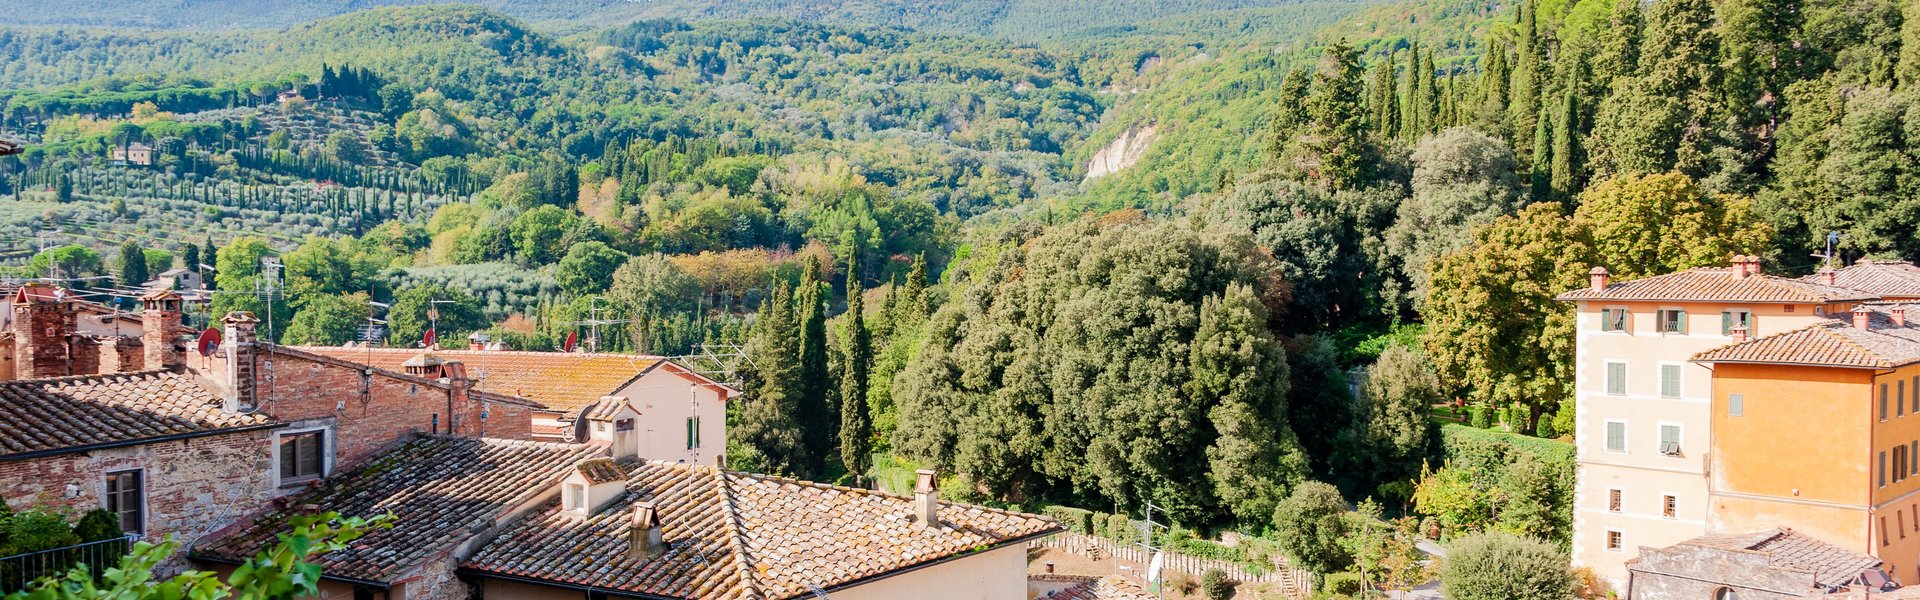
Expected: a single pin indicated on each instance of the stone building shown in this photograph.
(1770, 565)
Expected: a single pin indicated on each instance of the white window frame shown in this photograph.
(1606, 540)
(1606, 378)
(1663, 505)
(1679, 438)
(575, 497)
(1660, 320)
(328, 439)
(1623, 500)
(146, 516)
(1626, 445)
(1679, 384)
(1626, 323)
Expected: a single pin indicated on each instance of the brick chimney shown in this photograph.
(1739, 333)
(644, 541)
(1597, 278)
(237, 344)
(160, 330)
(1753, 265)
(1827, 276)
(1861, 317)
(926, 498)
(1739, 267)
(1899, 314)
(477, 341)
(42, 322)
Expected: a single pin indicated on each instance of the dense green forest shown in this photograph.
(1237, 259)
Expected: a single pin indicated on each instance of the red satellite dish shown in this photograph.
(573, 337)
(429, 339)
(209, 340)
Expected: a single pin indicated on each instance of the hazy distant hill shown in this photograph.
(1013, 19)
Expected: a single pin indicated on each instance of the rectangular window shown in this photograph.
(576, 497)
(1883, 468)
(1916, 395)
(1900, 523)
(1669, 506)
(1883, 531)
(1613, 500)
(1670, 440)
(302, 456)
(1736, 405)
(1673, 320)
(1669, 381)
(125, 499)
(1899, 398)
(1616, 436)
(1737, 317)
(1617, 378)
(1613, 319)
(1883, 402)
(693, 432)
(1913, 459)
(1614, 541)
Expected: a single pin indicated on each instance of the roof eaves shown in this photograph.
(32, 454)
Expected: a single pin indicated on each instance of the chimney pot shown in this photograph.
(1753, 265)
(1861, 317)
(1738, 267)
(926, 497)
(1899, 314)
(1739, 333)
(644, 541)
(1597, 278)
(1827, 276)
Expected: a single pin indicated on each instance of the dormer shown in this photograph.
(612, 421)
(590, 486)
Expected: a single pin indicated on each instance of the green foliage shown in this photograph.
(1311, 524)
(328, 320)
(856, 359)
(1400, 391)
(97, 525)
(1216, 585)
(1499, 566)
(33, 530)
(130, 269)
(1077, 520)
(460, 314)
(588, 268)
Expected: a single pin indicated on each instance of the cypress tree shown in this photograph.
(771, 436)
(133, 265)
(856, 426)
(1381, 97)
(1524, 104)
(815, 384)
(1566, 123)
(1541, 179)
(1908, 71)
(1494, 88)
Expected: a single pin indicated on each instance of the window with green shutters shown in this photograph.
(1670, 440)
(1617, 378)
(1613, 319)
(1738, 316)
(1736, 405)
(1673, 320)
(1616, 436)
(693, 432)
(1669, 381)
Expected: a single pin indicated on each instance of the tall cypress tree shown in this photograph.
(1383, 101)
(815, 385)
(1907, 72)
(1524, 104)
(1494, 87)
(769, 432)
(1566, 126)
(1335, 146)
(856, 426)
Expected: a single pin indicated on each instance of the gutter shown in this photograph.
(135, 442)
(841, 587)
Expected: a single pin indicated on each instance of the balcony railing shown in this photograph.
(19, 570)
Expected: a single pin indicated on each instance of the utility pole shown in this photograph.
(1155, 560)
(268, 287)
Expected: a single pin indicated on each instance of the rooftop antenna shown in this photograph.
(593, 322)
(1826, 259)
(433, 322)
(268, 287)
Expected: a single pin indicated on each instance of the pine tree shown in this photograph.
(769, 431)
(133, 265)
(856, 426)
(1334, 150)
(818, 413)
(1620, 52)
(1908, 71)
(1524, 104)
(1563, 176)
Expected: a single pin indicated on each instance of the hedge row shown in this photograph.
(1489, 452)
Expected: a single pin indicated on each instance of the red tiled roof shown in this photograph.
(1884, 278)
(601, 470)
(440, 489)
(565, 382)
(1111, 587)
(1832, 343)
(739, 535)
(1711, 284)
(64, 414)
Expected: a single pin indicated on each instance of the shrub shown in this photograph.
(1479, 416)
(1120, 527)
(97, 525)
(1216, 585)
(1341, 584)
(1310, 525)
(35, 530)
(1075, 519)
(1503, 566)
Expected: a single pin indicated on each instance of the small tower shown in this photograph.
(160, 330)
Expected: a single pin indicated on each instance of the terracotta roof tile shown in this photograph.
(1786, 548)
(1710, 284)
(565, 382)
(440, 489)
(1111, 587)
(740, 535)
(1832, 342)
(1884, 278)
(72, 413)
(601, 470)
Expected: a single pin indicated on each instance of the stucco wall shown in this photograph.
(999, 574)
(664, 401)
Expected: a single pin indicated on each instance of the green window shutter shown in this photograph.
(1726, 322)
(1682, 326)
(1736, 405)
(1616, 378)
(1753, 326)
(1670, 381)
(1617, 437)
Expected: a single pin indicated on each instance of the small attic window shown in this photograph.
(576, 497)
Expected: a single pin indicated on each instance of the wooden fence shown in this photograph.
(1295, 583)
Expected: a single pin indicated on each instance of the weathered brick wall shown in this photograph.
(120, 355)
(194, 486)
(40, 332)
(83, 355)
(435, 580)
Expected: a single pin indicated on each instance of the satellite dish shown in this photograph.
(573, 339)
(209, 340)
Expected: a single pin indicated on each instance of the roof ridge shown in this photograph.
(1830, 330)
(736, 533)
(882, 493)
(90, 377)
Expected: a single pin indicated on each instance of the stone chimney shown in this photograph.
(1827, 276)
(926, 498)
(1899, 314)
(1597, 278)
(237, 344)
(644, 541)
(1753, 265)
(1862, 317)
(1739, 333)
(42, 323)
(160, 329)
